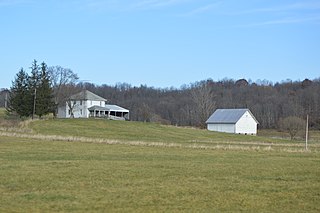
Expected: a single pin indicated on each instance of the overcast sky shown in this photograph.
(163, 43)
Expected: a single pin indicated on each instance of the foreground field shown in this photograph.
(50, 176)
(88, 165)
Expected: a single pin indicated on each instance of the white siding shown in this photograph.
(246, 125)
(76, 110)
(80, 109)
(229, 128)
(85, 111)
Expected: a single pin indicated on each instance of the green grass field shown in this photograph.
(152, 133)
(42, 176)
(110, 166)
(2, 112)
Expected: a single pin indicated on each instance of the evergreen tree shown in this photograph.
(20, 96)
(34, 78)
(33, 85)
(44, 99)
(32, 95)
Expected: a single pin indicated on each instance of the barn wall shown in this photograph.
(229, 128)
(246, 125)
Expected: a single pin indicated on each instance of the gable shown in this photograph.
(87, 95)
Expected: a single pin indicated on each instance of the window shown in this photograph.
(69, 112)
(80, 111)
(81, 103)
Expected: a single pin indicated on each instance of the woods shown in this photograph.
(191, 104)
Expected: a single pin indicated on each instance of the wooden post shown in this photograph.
(307, 129)
(6, 100)
(34, 102)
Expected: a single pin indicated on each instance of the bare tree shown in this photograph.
(64, 84)
(71, 104)
(145, 112)
(203, 97)
(293, 125)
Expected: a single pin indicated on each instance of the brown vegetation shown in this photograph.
(189, 105)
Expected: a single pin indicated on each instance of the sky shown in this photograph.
(162, 43)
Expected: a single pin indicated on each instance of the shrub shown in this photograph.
(293, 125)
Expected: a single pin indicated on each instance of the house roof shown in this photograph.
(108, 107)
(228, 116)
(87, 95)
(116, 108)
(97, 108)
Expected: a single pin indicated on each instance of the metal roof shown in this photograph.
(116, 108)
(228, 116)
(108, 107)
(87, 95)
(97, 108)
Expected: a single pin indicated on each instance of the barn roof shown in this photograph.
(87, 95)
(228, 116)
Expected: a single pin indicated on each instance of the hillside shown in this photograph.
(107, 131)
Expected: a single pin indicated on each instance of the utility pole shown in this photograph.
(6, 100)
(34, 102)
(307, 129)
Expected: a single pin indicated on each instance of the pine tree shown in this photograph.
(44, 99)
(20, 96)
(34, 78)
(32, 95)
(33, 85)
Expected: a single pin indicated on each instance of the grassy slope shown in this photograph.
(130, 131)
(39, 176)
(124, 130)
(2, 112)
(151, 132)
(42, 176)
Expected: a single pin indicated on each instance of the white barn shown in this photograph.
(238, 121)
(86, 104)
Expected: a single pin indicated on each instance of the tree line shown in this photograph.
(191, 105)
(46, 88)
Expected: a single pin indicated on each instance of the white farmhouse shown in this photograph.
(238, 121)
(86, 104)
